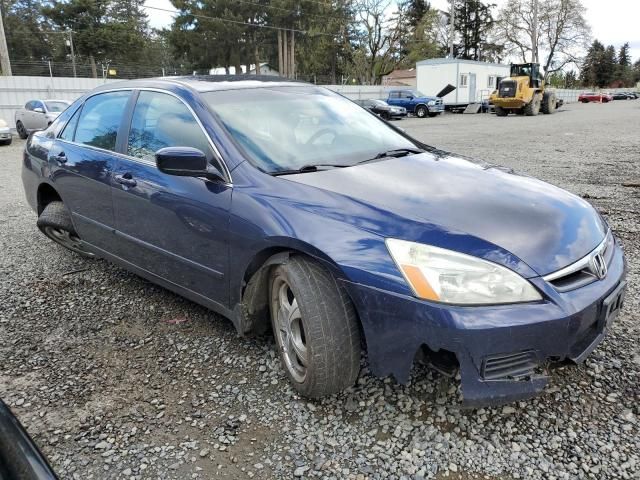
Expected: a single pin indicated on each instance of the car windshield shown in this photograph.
(287, 128)
(55, 106)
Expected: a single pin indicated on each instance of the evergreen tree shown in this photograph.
(103, 30)
(473, 24)
(25, 29)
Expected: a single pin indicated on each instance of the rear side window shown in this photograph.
(100, 119)
(160, 120)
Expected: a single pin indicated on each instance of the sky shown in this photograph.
(613, 22)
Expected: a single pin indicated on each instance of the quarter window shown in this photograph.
(160, 120)
(100, 119)
(70, 127)
(464, 80)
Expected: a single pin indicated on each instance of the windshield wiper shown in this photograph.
(395, 153)
(312, 167)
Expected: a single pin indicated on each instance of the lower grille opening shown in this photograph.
(509, 366)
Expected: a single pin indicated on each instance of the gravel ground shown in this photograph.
(117, 378)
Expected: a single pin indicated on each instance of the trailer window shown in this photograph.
(491, 83)
(464, 80)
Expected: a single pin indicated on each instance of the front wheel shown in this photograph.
(421, 111)
(315, 326)
(501, 112)
(22, 132)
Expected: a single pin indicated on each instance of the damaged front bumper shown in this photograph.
(499, 349)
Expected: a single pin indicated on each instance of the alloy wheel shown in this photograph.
(67, 239)
(289, 329)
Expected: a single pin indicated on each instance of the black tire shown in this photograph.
(548, 103)
(22, 132)
(584, 100)
(330, 332)
(55, 223)
(421, 111)
(433, 114)
(501, 112)
(6, 142)
(532, 108)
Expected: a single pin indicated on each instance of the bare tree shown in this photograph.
(559, 32)
(380, 34)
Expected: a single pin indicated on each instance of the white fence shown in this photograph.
(16, 91)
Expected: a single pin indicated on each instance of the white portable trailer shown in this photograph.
(474, 81)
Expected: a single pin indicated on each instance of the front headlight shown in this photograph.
(431, 103)
(450, 277)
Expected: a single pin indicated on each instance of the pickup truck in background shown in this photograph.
(415, 102)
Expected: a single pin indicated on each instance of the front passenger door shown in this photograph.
(174, 227)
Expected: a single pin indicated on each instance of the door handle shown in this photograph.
(126, 180)
(61, 157)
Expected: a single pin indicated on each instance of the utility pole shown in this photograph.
(534, 33)
(73, 53)
(453, 27)
(5, 63)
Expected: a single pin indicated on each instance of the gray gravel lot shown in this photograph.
(117, 378)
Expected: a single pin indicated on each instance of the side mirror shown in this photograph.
(38, 110)
(186, 162)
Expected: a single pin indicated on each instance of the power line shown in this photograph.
(238, 22)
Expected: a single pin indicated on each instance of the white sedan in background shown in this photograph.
(5, 133)
(38, 115)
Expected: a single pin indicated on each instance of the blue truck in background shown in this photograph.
(415, 102)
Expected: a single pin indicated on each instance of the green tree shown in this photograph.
(103, 30)
(625, 72)
(473, 25)
(25, 29)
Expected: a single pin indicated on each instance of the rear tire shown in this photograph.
(315, 326)
(549, 103)
(501, 112)
(6, 142)
(22, 132)
(55, 223)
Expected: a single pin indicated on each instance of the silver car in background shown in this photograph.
(38, 115)
(5, 133)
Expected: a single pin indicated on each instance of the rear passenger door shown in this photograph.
(82, 162)
(174, 227)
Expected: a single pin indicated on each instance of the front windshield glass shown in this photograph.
(520, 70)
(56, 107)
(416, 94)
(286, 128)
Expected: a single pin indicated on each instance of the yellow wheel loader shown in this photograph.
(524, 92)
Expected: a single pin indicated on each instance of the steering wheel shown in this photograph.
(322, 133)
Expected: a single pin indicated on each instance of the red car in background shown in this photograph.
(594, 97)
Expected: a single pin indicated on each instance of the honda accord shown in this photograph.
(284, 205)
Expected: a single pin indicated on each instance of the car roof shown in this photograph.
(208, 83)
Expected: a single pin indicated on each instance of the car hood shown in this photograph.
(544, 226)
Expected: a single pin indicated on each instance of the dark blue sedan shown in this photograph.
(285, 205)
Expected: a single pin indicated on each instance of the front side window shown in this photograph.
(160, 120)
(100, 119)
(28, 106)
(286, 128)
(37, 104)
